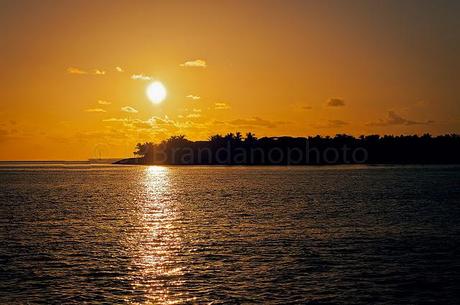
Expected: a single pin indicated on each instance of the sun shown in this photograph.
(156, 92)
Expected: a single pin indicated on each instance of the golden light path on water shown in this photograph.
(160, 241)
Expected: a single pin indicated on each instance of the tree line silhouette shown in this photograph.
(234, 149)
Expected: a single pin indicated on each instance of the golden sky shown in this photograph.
(74, 73)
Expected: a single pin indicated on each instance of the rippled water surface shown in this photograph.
(211, 235)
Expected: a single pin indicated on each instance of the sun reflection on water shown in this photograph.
(159, 241)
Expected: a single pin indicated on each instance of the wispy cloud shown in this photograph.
(193, 115)
(116, 120)
(129, 109)
(221, 106)
(255, 121)
(95, 110)
(395, 119)
(331, 124)
(119, 69)
(198, 63)
(335, 102)
(193, 97)
(98, 72)
(102, 102)
(334, 124)
(74, 70)
(158, 128)
(141, 77)
(300, 107)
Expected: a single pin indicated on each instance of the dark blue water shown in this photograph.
(212, 235)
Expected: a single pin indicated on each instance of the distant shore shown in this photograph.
(234, 149)
(139, 161)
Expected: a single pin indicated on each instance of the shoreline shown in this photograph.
(133, 161)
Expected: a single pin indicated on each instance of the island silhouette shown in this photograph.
(236, 149)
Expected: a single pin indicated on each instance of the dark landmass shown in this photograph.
(234, 149)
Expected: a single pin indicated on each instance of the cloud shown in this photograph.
(158, 128)
(336, 123)
(335, 102)
(193, 115)
(221, 106)
(196, 110)
(331, 124)
(95, 110)
(116, 120)
(129, 109)
(73, 70)
(119, 69)
(193, 97)
(151, 123)
(140, 77)
(255, 121)
(300, 107)
(98, 72)
(101, 102)
(198, 63)
(395, 119)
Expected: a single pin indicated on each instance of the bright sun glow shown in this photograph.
(156, 92)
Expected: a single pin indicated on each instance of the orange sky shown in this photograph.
(272, 67)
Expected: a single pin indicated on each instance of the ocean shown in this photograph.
(81, 233)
